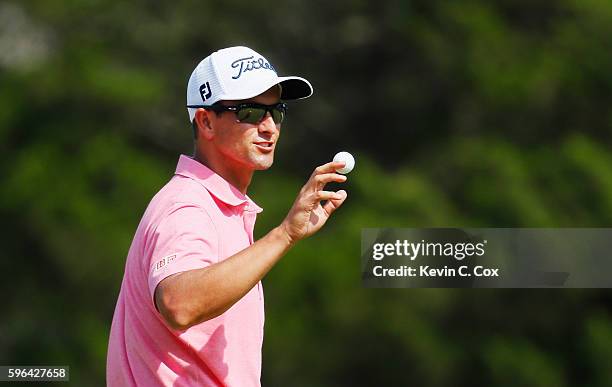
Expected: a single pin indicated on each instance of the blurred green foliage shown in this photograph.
(472, 113)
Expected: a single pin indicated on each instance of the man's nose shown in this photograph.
(267, 124)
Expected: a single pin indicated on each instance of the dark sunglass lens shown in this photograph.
(278, 115)
(250, 115)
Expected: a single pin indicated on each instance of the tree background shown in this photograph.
(474, 113)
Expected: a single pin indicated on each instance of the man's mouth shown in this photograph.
(265, 145)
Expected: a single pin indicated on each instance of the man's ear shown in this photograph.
(204, 124)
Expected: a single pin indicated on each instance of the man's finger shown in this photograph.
(326, 195)
(333, 204)
(332, 166)
(321, 180)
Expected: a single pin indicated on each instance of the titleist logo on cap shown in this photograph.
(247, 64)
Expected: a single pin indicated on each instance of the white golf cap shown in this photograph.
(237, 73)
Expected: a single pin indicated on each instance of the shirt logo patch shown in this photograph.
(162, 263)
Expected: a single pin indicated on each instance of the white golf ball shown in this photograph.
(349, 162)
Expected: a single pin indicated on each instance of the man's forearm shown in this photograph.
(191, 297)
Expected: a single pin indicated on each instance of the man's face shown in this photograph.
(244, 145)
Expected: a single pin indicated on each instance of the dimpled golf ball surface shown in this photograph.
(348, 160)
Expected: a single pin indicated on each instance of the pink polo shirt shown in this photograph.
(196, 220)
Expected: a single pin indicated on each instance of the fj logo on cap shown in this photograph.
(205, 91)
(246, 64)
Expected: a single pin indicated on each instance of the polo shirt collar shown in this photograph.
(214, 183)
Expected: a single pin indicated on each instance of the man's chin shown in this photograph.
(263, 167)
(261, 164)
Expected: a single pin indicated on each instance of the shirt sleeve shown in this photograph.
(185, 239)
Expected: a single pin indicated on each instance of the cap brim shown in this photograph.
(292, 88)
(295, 88)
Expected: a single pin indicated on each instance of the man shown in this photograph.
(190, 310)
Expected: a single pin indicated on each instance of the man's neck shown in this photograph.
(239, 178)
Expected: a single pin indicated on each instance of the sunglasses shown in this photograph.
(250, 113)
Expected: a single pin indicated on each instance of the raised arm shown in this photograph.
(194, 296)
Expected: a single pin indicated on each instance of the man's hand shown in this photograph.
(307, 215)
